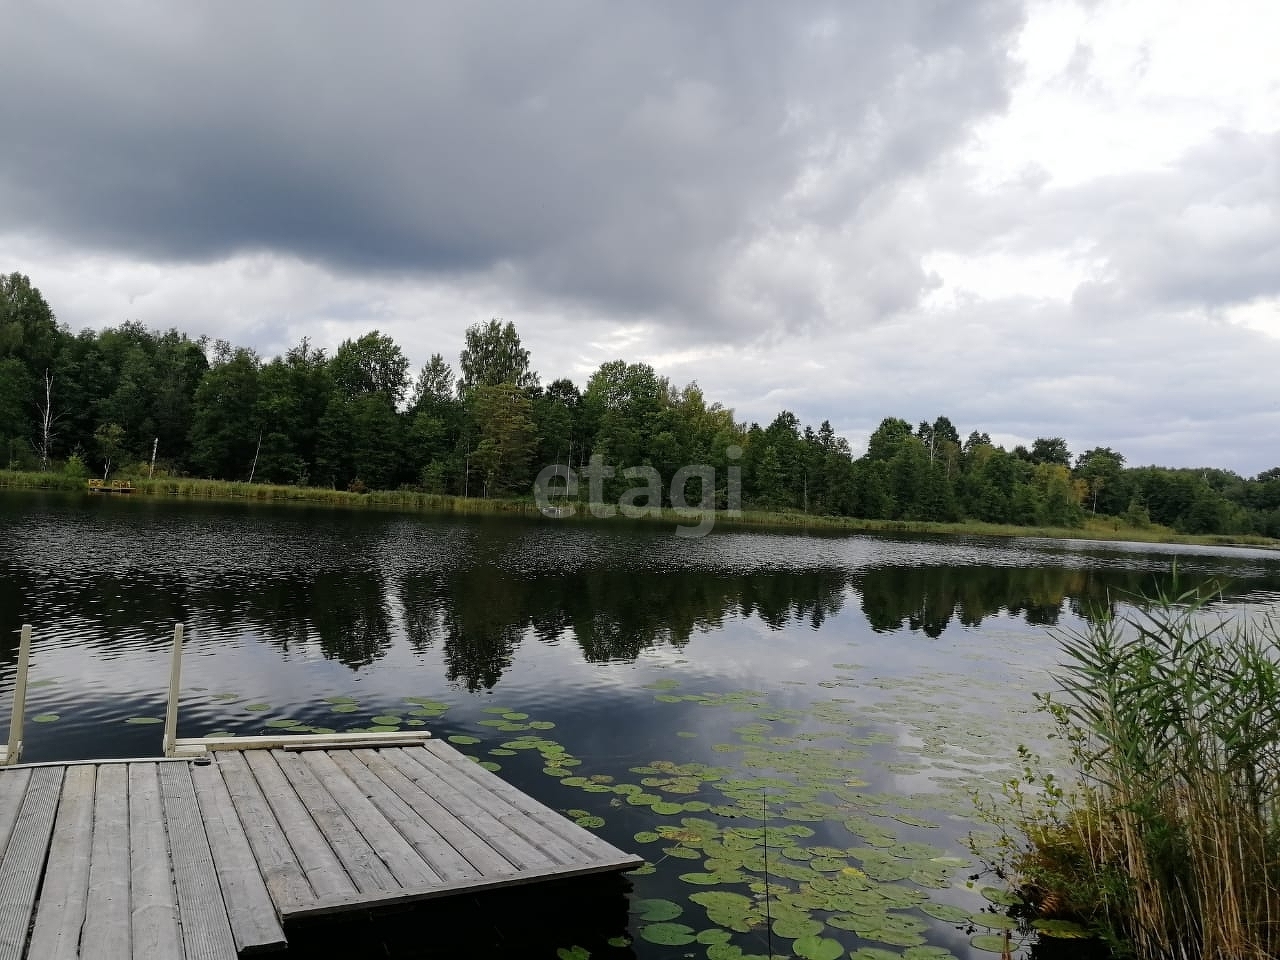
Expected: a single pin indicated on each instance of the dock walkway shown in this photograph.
(207, 858)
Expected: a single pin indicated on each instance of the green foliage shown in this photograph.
(493, 356)
(1169, 838)
(219, 411)
(75, 468)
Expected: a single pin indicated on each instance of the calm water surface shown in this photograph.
(817, 709)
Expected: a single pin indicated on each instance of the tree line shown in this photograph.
(131, 401)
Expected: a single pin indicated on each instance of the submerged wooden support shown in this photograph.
(12, 751)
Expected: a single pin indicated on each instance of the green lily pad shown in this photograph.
(795, 927)
(1002, 898)
(945, 912)
(818, 948)
(344, 707)
(258, 707)
(668, 934)
(656, 909)
(282, 722)
(1061, 929)
(462, 739)
(387, 720)
(140, 721)
(46, 718)
(992, 942)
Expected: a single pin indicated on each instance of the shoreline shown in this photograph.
(412, 501)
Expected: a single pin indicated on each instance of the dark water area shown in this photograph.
(808, 712)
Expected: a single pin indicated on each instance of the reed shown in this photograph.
(1169, 841)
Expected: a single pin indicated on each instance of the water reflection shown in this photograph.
(351, 587)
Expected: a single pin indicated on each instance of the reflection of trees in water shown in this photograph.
(117, 603)
(926, 598)
(477, 618)
(345, 613)
(482, 615)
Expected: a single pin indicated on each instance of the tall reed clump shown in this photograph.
(1169, 842)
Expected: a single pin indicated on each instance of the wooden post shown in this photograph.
(175, 681)
(14, 750)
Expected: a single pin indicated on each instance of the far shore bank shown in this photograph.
(413, 501)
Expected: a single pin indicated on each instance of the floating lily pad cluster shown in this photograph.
(783, 842)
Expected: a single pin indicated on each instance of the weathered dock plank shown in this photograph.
(362, 863)
(467, 809)
(447, 843)
(206, 930)
(254, 924)
(405, 865)
(153, 902)
(107, 914)
(13, 787)
(24, 858)
(65, 893)
(133, 859)
(277, 864)
(581, 838)
(321, 865)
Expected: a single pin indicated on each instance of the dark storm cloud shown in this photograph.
(615, 153)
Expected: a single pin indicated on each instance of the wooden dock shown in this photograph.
(208, 858)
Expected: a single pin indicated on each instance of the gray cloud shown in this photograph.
(620, 155)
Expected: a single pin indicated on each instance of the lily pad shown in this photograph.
(668, 934)
(656, 909)
(1061, 929)
(818, 948)
(140, 721)
(46, 718)
(993, 942)
(461, 739)
(1000, 897)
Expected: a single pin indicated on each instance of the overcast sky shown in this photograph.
(1040, 219)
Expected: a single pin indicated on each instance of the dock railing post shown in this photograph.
(175, 681)
(14, 749)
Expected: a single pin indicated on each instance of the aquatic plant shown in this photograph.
(1168, 840)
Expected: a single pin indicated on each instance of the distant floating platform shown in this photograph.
(114, 486)
(208, 857)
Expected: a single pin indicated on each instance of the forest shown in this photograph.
(127, 401)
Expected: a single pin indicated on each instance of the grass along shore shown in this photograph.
(413, 501)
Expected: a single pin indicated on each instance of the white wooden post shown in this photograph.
(14, 750)
(175, 681)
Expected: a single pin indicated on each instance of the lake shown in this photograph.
(789, 728)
